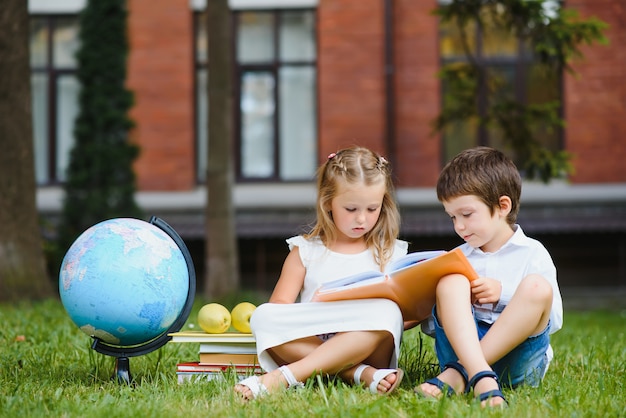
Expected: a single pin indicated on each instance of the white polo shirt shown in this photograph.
(516, 259)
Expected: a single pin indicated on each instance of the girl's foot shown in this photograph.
(255, 386)
(381, 381)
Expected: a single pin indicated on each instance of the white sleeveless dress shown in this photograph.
(274, 324)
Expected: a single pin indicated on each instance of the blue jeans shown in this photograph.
(525, 364)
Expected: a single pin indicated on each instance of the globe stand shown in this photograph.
(121, 373)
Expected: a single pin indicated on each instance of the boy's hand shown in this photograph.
(486, 290)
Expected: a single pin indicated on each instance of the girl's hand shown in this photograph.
(486, 290)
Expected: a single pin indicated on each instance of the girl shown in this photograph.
(356, 230)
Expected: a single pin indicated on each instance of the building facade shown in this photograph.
(314, 76)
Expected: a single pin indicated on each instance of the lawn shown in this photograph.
(49, 369)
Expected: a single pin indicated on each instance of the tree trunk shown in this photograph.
(222, 266)
(22, 265)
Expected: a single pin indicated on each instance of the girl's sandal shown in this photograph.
(379, 375)
(258, 389)
(290, 378)
(496, 393)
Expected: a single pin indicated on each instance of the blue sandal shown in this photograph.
(445, 388)
(496, 393)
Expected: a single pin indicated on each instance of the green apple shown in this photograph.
(241, 316)
(214, 318)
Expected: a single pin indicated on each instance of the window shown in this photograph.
(511, 69)
(53, 42)
(275, 84)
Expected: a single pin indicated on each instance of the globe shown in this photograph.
(125, 282)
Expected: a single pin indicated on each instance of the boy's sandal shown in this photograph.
(496, 393)
(379, 375)
(445, 388)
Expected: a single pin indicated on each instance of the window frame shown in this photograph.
(521, 63)
(53, 75)
(272, 66)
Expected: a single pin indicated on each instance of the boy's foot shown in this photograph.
(487, 389)
(452, 380)
(381, 381)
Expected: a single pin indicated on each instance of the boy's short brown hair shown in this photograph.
(483, 172)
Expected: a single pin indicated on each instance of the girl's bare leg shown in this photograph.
(340, 354)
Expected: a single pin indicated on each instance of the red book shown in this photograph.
(195, 366)
(192, 371)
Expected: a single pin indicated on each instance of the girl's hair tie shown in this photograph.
(381, 163)
(332, 155)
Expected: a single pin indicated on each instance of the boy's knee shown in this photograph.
(534, 286)
(453, 282)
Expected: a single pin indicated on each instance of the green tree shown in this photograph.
(222, 272)
(100, 180)
(554, 36)
(22, 265)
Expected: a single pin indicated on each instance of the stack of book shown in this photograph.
(219, 354)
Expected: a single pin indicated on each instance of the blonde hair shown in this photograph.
(357, 165)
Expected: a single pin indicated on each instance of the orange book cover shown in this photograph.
(410, 281)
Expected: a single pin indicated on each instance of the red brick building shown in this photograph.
(352, 90)
(357, 72)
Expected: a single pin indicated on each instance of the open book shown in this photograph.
(410, 281)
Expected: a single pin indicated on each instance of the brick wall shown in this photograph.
(351, 75)
(160, 72)
(352, 92)
(595, 101)
(352, 101)
(417, 93)
(352, 83)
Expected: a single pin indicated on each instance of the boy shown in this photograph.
(497, 327)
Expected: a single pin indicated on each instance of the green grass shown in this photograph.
(54, 372)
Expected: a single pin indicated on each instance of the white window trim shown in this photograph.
(56, 6)
(258, 4)
(75, 6)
